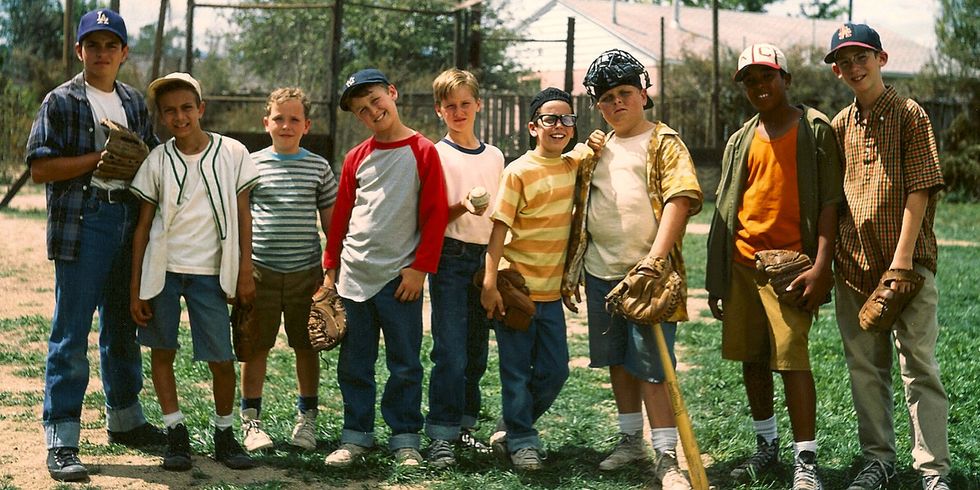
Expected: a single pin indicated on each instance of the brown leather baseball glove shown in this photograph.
(648, 294)
(328, 319)
(123, 154)
(244, 332)
(782, 267)
(885, 304)
(518, 307)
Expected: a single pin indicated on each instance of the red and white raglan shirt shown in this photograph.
(391, 213)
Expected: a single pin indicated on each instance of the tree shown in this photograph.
(958, 32)
(740, 5)
(822, 9)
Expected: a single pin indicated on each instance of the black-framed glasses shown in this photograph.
(550, 120)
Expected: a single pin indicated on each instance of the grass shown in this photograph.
(580, 428)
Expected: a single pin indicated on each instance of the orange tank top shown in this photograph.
(769, 215)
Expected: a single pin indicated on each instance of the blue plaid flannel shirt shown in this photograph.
(64, 127)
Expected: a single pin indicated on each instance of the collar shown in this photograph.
(76, 87)
(882, 105)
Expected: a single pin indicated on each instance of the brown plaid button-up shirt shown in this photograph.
(888, 155)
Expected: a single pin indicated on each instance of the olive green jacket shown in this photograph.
(819, 179)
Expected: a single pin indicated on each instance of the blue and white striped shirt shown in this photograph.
(285, 204)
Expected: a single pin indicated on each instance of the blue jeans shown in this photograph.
(401, 324)
(615, 341)
(97, 279)
(533, 369)
(457, 320)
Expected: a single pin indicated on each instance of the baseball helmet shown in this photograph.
(613, 68)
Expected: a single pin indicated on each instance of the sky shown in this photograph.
(914, 18)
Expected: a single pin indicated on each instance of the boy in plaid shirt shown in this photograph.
(891, 180)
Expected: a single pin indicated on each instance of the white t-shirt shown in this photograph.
(193, 246)
(465, 169)
(105, 105)
(620, 220)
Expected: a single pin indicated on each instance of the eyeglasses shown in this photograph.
(550, 120)
(859, 59)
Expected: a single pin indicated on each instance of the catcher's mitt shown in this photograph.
(518, 307)
(782, 267)
(244, 332)
(648, 294)
(123, 154)
(328, 319)
(885, 304)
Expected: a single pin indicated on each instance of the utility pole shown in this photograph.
(189, 53)
(67, 53)
(474, 64)
(660, 74)
(569, 54)
(114, 6)
(715, 83)
(333, 83)
(158, 41)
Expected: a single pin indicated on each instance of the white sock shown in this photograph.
(664, 439)
(172, 420)
(766, 429)
(222, 421)
(630, 423)
(804, 446)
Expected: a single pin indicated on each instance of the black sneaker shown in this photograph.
(875, 475)
(142, 436)
(64, 465)
(765, 458)
(468, 440)
(228, 452)
(178, 457)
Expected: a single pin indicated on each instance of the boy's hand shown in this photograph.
(329, 278)
(245, 291)
(566, 298)
(411, 286)
(140, 310)
(714, 302)
(903, 287)
(491, 300)
(815, 284)
(596, 140)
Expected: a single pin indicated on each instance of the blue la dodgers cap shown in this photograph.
(359, 78)
(102, 20)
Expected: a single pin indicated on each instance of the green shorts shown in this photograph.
(758, 328)
(284, 298)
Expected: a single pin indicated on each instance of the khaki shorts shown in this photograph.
(284, 298)
(758, 328)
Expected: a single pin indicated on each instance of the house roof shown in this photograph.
(637, 29)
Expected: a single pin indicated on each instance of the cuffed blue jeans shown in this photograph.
(533, 369)
(458, 320)
(401, 324)
(97, 280)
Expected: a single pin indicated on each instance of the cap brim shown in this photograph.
(741, 72)
(832, 56)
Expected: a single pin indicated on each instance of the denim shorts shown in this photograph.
(208, 312)
(614, 341)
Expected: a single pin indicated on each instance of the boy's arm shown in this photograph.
(433, 211)
(63, 168)
(489, 296)
(817, 281)
(140, 309)
(672, 225)
(245, 291)
(915, 210)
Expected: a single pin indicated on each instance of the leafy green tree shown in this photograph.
(823, 9)
(958, 32)
(741, 5)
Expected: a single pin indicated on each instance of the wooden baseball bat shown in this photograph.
(695, 468)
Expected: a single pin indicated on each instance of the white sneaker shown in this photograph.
(668, 473)
(255, 439)
(345, 454)
(304, 432)
(630, 448)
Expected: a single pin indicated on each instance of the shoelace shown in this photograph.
(65, 456)
(251, 425)
(936, 483)
(441, 449)
(873, 474)
(528, 456)
(762, 456)
(806, 476)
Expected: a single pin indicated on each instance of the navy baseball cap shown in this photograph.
(102, 20)
(363, 77)
(852, 35)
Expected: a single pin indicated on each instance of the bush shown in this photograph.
(961, 170)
